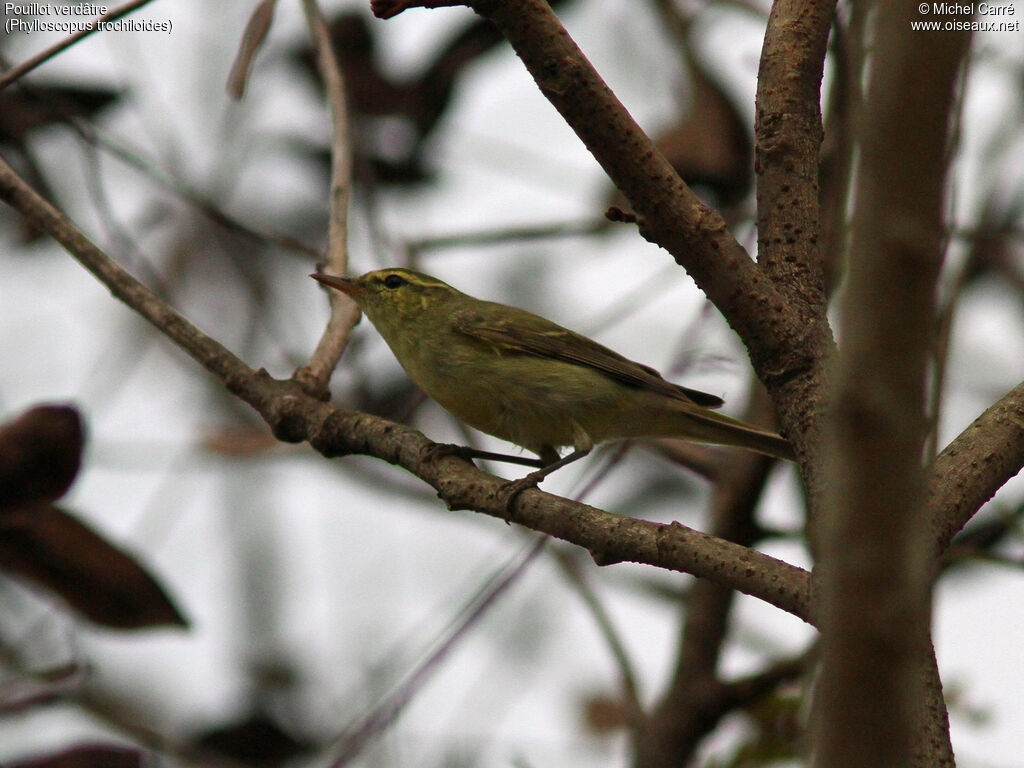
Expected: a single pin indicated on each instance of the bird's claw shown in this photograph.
(511, 490)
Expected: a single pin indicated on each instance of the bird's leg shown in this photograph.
(513, 488)
(437, 450)
(582, 446)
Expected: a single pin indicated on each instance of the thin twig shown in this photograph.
(203, 204)
(573, 572)
(344, 312)
(205, 350)
(252, 39)
(504, 236)
(359, 734)
(29, 64)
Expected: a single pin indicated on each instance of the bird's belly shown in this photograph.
(532, 402)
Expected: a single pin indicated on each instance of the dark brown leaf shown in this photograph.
(24, 110)
(85, 756)
(256, 740)
(40, 453)
(604, 714)
(712, 146)
(94, 577)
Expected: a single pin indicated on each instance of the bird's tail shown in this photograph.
(719, 429)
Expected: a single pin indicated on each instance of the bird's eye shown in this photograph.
(394, 281)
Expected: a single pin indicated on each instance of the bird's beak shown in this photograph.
(344, 284)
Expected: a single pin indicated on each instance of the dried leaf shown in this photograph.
(94, 577)
(40, 453)
(239, 441)
(86, 756)
(255, 740)
(604, 713)
(28, 109)
(713, 145)
(253, 37)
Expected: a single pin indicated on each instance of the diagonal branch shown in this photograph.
(42, 57)
(974, 466)
(295, 416)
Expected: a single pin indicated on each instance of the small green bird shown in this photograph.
(522, 378)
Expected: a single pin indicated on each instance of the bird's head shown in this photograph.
(393, 297)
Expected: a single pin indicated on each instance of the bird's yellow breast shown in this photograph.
(521, 398)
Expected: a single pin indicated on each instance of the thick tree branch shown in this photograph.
(295, 416)
(788, 140)
(788, 137)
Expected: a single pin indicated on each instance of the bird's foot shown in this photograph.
(511, 490)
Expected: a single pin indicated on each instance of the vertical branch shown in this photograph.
(344, 312)
(788, 136)
(879, 702)
(837, 150)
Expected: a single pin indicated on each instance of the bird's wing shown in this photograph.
(525, 332)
